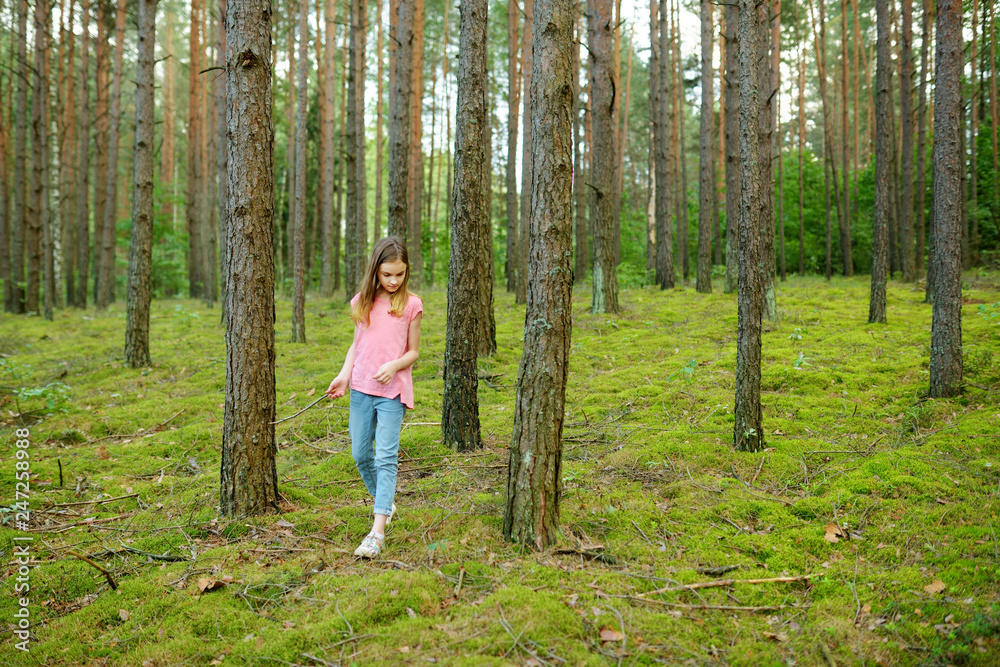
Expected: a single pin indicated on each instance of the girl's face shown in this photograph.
(391, 275)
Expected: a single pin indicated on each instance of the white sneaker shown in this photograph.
(392, 513)
(370, 546)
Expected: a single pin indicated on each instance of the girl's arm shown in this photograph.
(389, 369)
(343, 380)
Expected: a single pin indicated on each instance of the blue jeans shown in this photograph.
(377, 420)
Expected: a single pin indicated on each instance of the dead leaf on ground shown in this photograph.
(777, 636)
(123, 614)
(609, 635)
(935, 587)
(834, 533)
(284, 524)
(311, 391)
(206, 584)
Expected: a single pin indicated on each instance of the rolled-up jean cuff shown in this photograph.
(381, 510)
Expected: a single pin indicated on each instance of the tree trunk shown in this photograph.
(655, 130)
(401, 34)
(102, 119)
(766, 88)
(327, 268)
(531, 513)
(664, 244)
(166, 178)
(5, 236)
(292, 144)
(520, 293)
(299, 240)
(248, 479)
(447, 145)
(994, 112)
(906, 149)
(779, 149)
(20, 221)
(844, 143)
(719, 165)
(682, 189)
(946, 324)
(470, 225)
(357, 226)
(883, 168)
(748, 431)
(193, 210)
(510, 175)
(602, 86)
(973, 219)
(38, 187)
(622, 147)
(83, 166)
(106, 280)
(416, 173)
(732, 148)
(802, 144)
(379, 122)
(674, 167)
(922, 136)
(341, 160)
(141, 246)
(66, 129)
(706, 175)
(220, 159)
(580, 218)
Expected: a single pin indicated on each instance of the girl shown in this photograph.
(377, 370)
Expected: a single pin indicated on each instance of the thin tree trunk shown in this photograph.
(356, 153)
(327, 268)
(139, 291)
(510, 174)
(341, 165)
(664, 244)
(883, 169)
(623, 132)
(655, 131)
(580, 218)
(520, 293)
(921, 192)
(531, 512)
(299, 240)
(946, 325)
(193, 208)
(720, 163)
(732, 148)
(906, 149)
(676, 115)
(209, 191)
(66, 129)
(973, 219)
(844, 134)
(446, 148)
(748, 431)
(416, 173)
(106, 282)
(767, 86)
(5, 235)
(802, 144)
(248, 479)
(166, 177)
(292, 122)
(779, 149)
(602, 85)
(401, 35)
(616, 69)
(39, 190)
(706, 175)
(102, 119)
(221, 163)
(20, 222)
(379, 122)
(470, 225)
(994, 112)
(83, 167)
(681, 103)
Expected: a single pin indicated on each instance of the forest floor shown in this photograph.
(868, 531)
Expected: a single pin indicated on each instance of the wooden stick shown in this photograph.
(95, 502)
(712, 607)
(726, 582)
(302, 410)
(107, 575)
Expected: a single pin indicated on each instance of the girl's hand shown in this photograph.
(386, 372)
(338, 387)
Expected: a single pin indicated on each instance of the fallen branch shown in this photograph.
(726, 582)
(94, 502)
(710, 607)
(107, 575)
(165, 557)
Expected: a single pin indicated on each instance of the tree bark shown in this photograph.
(946, 324)
(470, 232)
(5, 236)
(748, 431)
(531, 513)
(66, 131)
(706, 175)
(510, 174)
(83, 167)
(664, 244)
(102, 119)
(681, 176)
(416, 173)
(169, 117)
(106, 279)
(38, 188)
(193, 209)
(844, 143)
(20, 221)
(358, 171)
(883, 169)
(973, 219)
(139, 290)
(802, 144)
(379, 122)
(602, 86)
(921, 193)
(906, 148)
(401, 34)
(520, 293)
(248, 478)
(327, 268)
(720, 164)
(732, 148)
(581, 222)
(221, 159)
(299, 240)
(765, 87)
(994, 112)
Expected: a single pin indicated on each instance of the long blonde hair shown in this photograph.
(388, 249)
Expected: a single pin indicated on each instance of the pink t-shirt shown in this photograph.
(386, 338)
